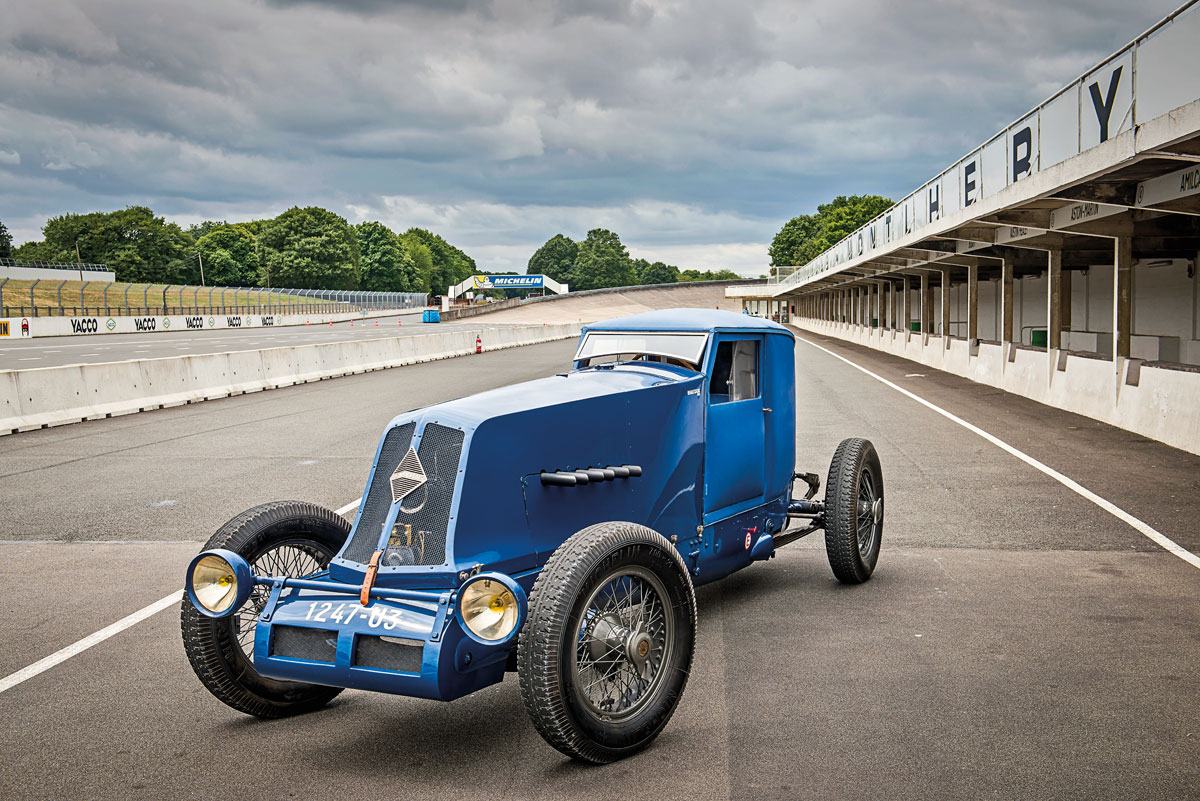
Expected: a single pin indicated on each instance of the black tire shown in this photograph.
(284, 537)
(566, 645)
(854, 511)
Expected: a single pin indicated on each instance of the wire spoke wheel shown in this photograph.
(606, 649)
(284, 538)
(291, 558)
(854, 511)
(624, 641)
(870, 513)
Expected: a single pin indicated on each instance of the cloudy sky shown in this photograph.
(693, 129)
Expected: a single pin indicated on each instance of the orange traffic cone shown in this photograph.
(376, 323)
(478, 345)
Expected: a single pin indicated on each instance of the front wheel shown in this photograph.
(605, 653)
(285, 538)
(854, 511)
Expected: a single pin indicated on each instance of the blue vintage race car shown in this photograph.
(554, 528)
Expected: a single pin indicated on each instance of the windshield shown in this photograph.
(683, 349)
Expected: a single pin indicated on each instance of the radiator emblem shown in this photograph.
(409, 476)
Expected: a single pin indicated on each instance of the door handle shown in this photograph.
(766, 408)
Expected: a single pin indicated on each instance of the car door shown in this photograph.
(735, 431)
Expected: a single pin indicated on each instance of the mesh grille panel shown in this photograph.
(318, 645)
(376, 652)
(419, 537)
(379, 498)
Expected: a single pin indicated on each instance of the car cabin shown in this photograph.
(749, 393)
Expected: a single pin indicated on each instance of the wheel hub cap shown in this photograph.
(624, 643)
(613, 643)
(638, 649)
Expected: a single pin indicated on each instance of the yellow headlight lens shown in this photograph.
(488, 609)
(214, 583)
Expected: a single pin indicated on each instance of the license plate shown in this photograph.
(376, 616)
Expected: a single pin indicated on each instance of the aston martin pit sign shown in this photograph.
(1078, 213)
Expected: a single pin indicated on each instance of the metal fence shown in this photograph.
(159, 300)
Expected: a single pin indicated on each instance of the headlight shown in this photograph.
(219, 582)
(491, 607)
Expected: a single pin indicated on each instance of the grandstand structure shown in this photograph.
(1058, 259)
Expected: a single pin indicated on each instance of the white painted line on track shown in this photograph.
(58, 657)
(78, 647)
(1144, 528)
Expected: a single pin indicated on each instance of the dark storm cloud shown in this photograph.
(617, 10)
(689, 127)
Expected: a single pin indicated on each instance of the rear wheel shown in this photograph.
(605, 652)
(854, 511)
(284, 538)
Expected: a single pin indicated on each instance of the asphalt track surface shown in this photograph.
(21, 354)
(1015, 642)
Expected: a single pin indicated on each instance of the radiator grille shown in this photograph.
(379, 498)
(317, 645)
(386, 653)
(419, 536)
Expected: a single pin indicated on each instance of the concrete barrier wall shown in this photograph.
(1156, 402)
(27, 327)
(50, 396)
(462, 312)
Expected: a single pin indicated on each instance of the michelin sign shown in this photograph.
(478, 283)
(507, 281)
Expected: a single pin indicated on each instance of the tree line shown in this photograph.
(600, 260)
(302, 248)
(314, 248)
(805, 237)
